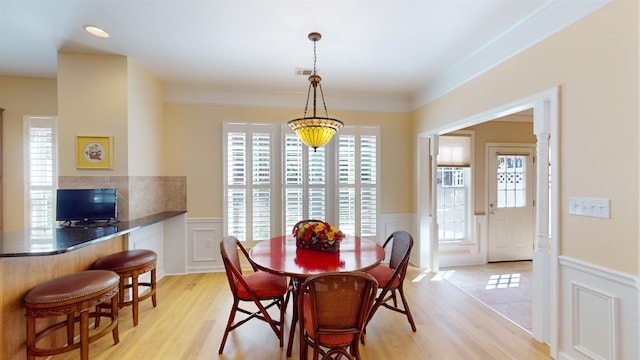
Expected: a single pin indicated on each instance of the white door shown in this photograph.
(511, 198)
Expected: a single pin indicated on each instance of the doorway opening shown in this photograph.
(544, 260)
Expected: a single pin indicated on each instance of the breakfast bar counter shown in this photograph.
(29, 258)
(68, 238)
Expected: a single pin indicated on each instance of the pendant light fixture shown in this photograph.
(315, 131)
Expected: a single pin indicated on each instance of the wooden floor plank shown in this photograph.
(192, 312)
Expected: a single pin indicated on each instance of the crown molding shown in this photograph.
(549, 19)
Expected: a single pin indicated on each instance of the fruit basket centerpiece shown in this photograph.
(317, 235)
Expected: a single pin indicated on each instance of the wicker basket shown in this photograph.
(318, 245)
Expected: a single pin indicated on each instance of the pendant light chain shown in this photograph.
(324, 103)
(315, 56)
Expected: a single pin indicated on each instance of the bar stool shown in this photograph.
(129, 265)
(72, 295)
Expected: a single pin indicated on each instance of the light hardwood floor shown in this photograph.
(193, 309)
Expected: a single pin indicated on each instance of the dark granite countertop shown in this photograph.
(63, 239)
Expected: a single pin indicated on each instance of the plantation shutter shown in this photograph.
(305, 181)
(41, 170)
(249, 181)
(358, 183)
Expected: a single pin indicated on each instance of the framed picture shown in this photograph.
(94, 152)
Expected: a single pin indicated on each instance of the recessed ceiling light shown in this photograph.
(96, 31)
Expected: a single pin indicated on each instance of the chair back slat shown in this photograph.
(402, 242)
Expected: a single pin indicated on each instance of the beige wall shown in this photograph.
(103, 95)
(595, 64)
(146, 123)
(20, 96)
(194, 149)
(92, 100)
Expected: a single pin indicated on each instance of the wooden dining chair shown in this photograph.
(255, 288)
(334, 308)
(391, 278)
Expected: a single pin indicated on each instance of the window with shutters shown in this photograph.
(305, 181)
(248, 181)
(358, 181)
(289, 181)
(41, 179)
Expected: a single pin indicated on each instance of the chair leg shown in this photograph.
(406, 309)
(269, 319)
(316, 350)
(282, 306)
(393, 297)
(290, 289)
(232, 316)
(303, 343)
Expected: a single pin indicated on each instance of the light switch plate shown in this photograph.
(593, 207)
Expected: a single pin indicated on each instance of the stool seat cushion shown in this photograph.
(72, 286)
(125, 259)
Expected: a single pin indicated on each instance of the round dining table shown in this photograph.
(280, 255)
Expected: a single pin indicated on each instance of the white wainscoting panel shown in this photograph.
(167, 239)
(595, 322)
(175, 240)
(393, 222)
(152, 238)
(203, 245)
(599, 312)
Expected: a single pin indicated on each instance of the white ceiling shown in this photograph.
(384, 55)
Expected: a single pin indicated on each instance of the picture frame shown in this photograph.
(94, 152)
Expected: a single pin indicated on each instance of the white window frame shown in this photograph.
(306, 186)
(274, 186)
(470, 237)
(466, 238)
(358, 132)
(279, 131)
(30, 122)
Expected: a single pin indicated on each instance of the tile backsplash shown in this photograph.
(138, 196)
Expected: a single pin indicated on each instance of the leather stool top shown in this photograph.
(72, 286)
(125, 259)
